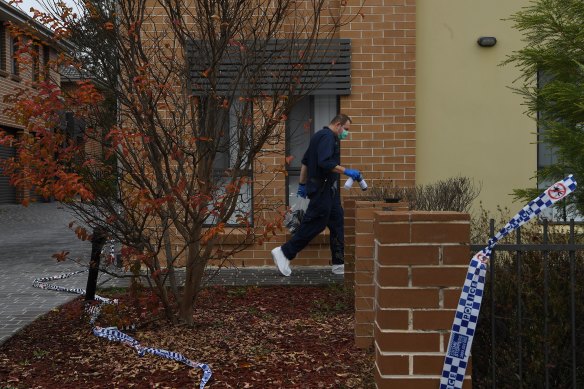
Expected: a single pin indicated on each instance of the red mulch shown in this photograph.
(251, 337)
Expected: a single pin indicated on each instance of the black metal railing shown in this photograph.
(530, 332)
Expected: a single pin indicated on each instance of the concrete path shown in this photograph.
(30, 236)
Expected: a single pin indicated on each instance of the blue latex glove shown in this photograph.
(301, 191)
(353, 173)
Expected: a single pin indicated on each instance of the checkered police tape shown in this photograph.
(113, 333)
(469, 305)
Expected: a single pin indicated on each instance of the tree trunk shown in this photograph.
(194, 275)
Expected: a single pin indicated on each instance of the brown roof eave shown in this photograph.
(15, 15)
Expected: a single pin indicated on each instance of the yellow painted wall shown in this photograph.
(469, 122)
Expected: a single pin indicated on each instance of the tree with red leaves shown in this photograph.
(185, 104)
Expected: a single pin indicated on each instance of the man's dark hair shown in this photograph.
(341, 119)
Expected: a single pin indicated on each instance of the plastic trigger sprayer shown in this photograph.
(349, 183)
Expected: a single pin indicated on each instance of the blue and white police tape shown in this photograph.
(469, 305)
(115, 335)
(92, 310)
(112, 333)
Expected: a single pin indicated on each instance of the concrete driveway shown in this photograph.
(28, 238)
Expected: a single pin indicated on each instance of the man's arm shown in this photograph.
(303, 174)
(325, 159)
(339, 169)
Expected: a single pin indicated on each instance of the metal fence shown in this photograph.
(532, 317)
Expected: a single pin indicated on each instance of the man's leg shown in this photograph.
(336, 226)
(314, 222)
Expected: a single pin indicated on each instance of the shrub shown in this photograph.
(451, 194)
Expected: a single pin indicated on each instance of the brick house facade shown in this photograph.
(382, 105)
(14, 75)
(398, 131)
(429, 103)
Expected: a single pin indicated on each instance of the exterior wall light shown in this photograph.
(487, 41)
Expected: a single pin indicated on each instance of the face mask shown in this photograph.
(344, 134)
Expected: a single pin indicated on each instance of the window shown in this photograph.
(36, 68)
(14, 49)
(2, 46)
(547, 156)
(46, 59)
(309, 115)
(234, 141)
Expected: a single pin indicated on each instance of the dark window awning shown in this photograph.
(252, 68)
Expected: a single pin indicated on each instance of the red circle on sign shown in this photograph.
(557, 191)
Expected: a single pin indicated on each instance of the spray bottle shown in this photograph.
(349, 183)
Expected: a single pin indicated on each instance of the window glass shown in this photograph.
(221, 162)
(309, 115)
(298, 130)
(15, 65)
(234, 143)
(243, 206)
(325, 108)
(46, 59)
(2, 46)
(36, 68)
(547, 156)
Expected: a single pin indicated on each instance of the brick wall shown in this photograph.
(382, 106)
(383, 81)
(317, 253)
(359, 261)
(421, 261)
(382, 140)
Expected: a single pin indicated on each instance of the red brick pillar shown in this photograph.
(349, 209)
(359, 263)
(421, 261)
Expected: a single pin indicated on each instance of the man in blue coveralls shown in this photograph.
(319, 181)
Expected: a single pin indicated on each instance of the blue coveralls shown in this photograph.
(324, 208)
